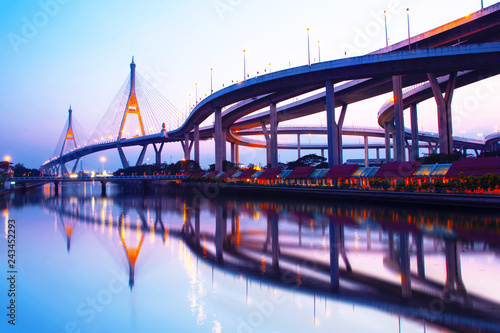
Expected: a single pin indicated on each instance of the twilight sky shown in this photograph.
(60, 52)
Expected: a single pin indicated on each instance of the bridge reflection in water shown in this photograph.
(432, 268)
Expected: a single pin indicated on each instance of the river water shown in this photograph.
(197, 260)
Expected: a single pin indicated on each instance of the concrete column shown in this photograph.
(444, 111)
(340, 124)
(187, 154)
(219, 143)
(387, 142)
(158, 153)
(404, 255)
(268, 143)
(224, 146)
(367, 161)
(334, 255)
(122, 157)
(233, 155)
(140, 160)
(298, 146)
(414, 132)
(397, 86)
(273, 117)
(197, 143)
(332, 127)
(237, 153)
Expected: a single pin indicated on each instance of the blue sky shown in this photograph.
(61, 52)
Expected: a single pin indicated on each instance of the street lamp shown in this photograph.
(319, 53)
(211, 81)
(386, 39)
(308, 50)
(408, 19)
(244, 66)
(7, 158)
(196, 93)
(103, 159)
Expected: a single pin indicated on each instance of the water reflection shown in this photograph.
(435, 269)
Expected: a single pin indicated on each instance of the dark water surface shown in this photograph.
(195, 260)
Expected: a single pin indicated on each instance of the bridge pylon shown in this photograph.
(68, 138)
(132, 107)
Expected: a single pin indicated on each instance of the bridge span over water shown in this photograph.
(430, 65)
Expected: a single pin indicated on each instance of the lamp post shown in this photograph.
(269, 67)
(211, 81)
(408, 19)
(244, 67)
(308, 50)
(385, 20)
(319, 53)
(196, 93)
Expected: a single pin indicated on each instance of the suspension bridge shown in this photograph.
(426, 66)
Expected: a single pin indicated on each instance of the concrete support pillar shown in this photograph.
(367, 161)
(56, 188)
(334, 255)
(197, 143)
(273, 118)
(187, 151)
(378, 155)
(220, 230)
(140, 160)
(397, 86)
(158, 153)
(233, 155)
(237, 153)
(298, 146)
(419, 240)
(340, 124)
(444, 111)
(414, 132)
(387, 131)
(64, 171)
(122, 157)
(332, 127)
(219, 140)
(268, 143)
(404, 255)
(75, 166)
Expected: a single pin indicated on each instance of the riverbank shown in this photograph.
(389, 197)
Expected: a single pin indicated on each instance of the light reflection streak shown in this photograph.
(6, 214)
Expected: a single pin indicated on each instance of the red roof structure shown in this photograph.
(213, 174)
(228, 174)
(474, 166)
(247, 173)
(341, 171)
(397, 170)
(301, 172)
(270, 173)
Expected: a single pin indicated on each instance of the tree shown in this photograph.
(307, 160)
